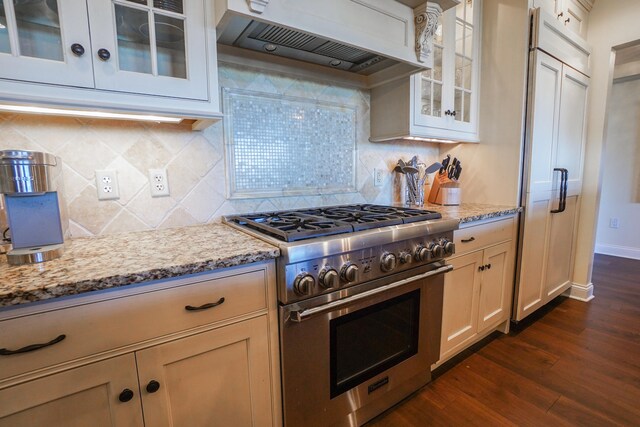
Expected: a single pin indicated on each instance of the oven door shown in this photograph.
(349, 355)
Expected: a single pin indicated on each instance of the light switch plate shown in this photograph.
(107, 185)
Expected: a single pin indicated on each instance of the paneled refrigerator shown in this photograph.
(558, 81)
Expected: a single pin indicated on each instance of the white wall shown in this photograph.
(612, 23)
(620, 197)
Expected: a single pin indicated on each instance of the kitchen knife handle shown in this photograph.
(204, 306)
(32, 347)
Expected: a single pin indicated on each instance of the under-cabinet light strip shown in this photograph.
(83, 113)
(417, 138)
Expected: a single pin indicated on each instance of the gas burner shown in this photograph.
(290, 226)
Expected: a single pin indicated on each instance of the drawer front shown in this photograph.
(480, 236)
(101, 326)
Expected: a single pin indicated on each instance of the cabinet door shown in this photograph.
(572, 129)
(460, 301)
(36, 39)
(552, 7)
(465, 82)
(155, 47)
(430, 85)
(220, 377)
(544, 116)
(533, 252)
(495, 286)
(88, 396)
(560, 255)
(576, 17)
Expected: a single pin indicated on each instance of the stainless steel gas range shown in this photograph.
(360, 295)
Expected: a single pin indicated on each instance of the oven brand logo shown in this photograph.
(22, 178)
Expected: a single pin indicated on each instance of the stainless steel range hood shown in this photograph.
(379, 40)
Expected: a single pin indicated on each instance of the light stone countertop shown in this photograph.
(90, 264)
(470, 212)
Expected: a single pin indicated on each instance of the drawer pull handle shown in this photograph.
(125, 396)
(32, 347)
(205, 306)
(470, 239)
(153, 386)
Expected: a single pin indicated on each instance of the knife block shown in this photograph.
(444, 191)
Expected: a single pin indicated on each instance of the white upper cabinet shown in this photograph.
(441, 102)
(124, 50)
(574, 14)
(447, 95)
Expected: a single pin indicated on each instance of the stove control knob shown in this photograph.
(405, 257)
(388, 262)
(422, 253)
(349, 272)
(328, 278)
(303, 284)
(449, 247)
(437, 251)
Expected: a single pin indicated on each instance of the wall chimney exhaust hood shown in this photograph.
(375, 40)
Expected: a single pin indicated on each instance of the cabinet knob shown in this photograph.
(125, 395)
(153, 386)
(77, 49)
(560, 15)
(481, 268)
(566, 21)
(450, 113)
(488, 266)
(104, 54)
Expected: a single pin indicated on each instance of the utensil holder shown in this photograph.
(414, 191)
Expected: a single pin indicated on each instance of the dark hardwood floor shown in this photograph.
(573, 363)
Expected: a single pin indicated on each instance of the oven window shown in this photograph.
(369, 341)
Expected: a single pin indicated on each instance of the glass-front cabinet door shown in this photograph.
(45, 41)
(446, 96)
(141, 46)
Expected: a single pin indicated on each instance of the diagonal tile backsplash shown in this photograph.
(194, 161)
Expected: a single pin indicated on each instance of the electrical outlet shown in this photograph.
(107, 185)
(614, 223)
(378, 177)
(158, 182)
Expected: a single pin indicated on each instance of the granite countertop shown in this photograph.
(470, 212)
(110, 261)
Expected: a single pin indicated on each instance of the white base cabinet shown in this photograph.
(221, 373)
(478, 292)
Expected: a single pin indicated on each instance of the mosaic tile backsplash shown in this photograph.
(194, 160)
(286, 151)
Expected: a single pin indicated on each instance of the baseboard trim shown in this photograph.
(580, 292)
(621, 251)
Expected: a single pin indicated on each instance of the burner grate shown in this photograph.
(300, 224)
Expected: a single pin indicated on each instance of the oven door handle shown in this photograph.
(299, 316)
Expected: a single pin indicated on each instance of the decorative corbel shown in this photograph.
(257, 6)
(426, 20)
